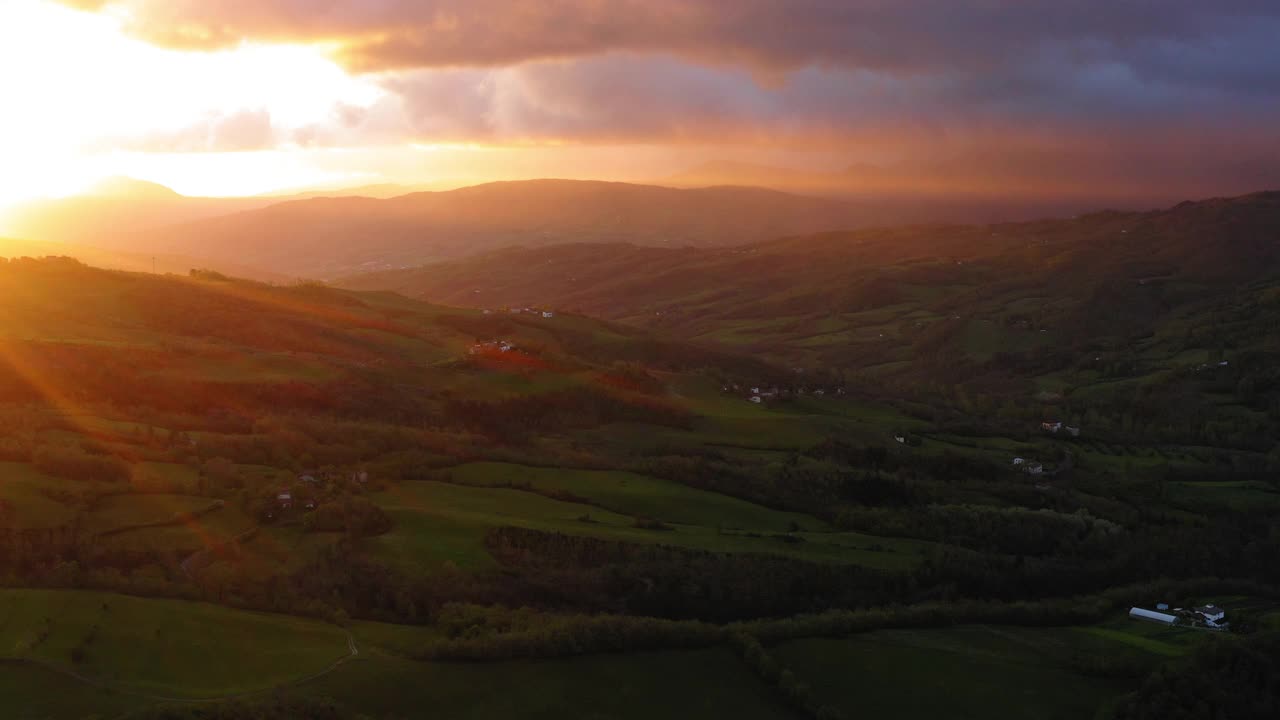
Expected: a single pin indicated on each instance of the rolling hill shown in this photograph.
(1121, 315)
(113, 213)
(120, 260)
(355, 488)
(329, 237)
(787, 293)
(107, 214)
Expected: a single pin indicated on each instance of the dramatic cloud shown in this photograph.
(234, 132)
(620, 98)
(905, 35)
(1133, 90)
(596, 70)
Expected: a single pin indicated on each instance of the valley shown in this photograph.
(359, 462)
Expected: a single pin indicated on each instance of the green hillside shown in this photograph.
(206, 483)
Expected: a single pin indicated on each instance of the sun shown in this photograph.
(80, 100)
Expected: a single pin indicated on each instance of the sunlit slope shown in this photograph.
(74, 334)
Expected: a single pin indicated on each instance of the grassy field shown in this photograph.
(35, 693)
(24, 491)
(213, 527)
(632, 494)
(145, 650)
(163, 647)
(123, 511)
(437, 523)
(639, 686)
(956, 673)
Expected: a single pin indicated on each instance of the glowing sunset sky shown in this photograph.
(246, 96)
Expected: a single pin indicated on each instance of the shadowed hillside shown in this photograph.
(816, 297)
(1120, 312)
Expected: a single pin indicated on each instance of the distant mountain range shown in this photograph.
(971, 186)
(335, 236)
(848, 181)
(866, 297)
(116, 207)
(330, 234)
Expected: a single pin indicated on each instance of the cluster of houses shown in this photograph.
(491, 346)
(1030, 467)
(1208, 617)
(526, 311)
(758, 394)
(307, 489)
(1057, 427)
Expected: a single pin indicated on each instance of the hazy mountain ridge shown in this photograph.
(1106, 273)
(326, 237)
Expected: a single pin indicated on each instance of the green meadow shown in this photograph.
(438, 523)
(163, 647)
(633, 494)
(635, 686)
(976, 672)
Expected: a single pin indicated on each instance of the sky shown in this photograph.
(1136, 98)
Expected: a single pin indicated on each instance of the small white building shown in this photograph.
(548, 314)
(1138, 613)
(1019, 461)
(900, 438)
(756, 399)
(1212, 614)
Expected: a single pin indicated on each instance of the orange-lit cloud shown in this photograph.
(1175, 95)
(913, 35)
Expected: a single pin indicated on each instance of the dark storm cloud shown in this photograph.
(1117, 59)
(1135, 83)
(900, 35)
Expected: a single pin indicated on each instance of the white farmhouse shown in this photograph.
(1212, 614)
